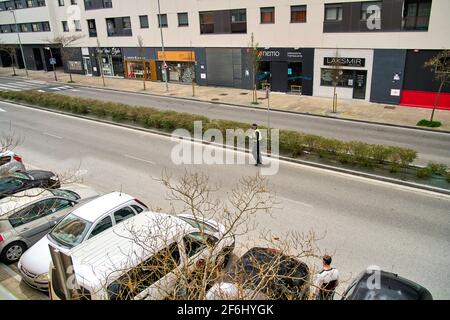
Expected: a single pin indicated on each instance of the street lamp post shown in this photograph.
(20, 42)
(52, 62)
(162, 47)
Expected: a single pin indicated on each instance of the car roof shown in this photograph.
(96, 208)
(104, 257)
(23, 198)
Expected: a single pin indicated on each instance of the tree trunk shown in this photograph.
(436, 100)
(334, 100)
(70, 76)
(13, 66)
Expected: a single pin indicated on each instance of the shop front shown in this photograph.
(180, 66)
(111, 62)
(286, 70)
(350, 69)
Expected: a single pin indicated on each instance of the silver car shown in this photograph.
(10, 162)
(27, 216)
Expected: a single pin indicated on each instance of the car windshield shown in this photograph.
(9, 183)
(199, 225)
(67, 194)
(20, 175)
(70, 231)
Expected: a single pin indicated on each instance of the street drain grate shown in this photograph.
(215, 99)
(244, 93)
(224, 94)
(389, 107)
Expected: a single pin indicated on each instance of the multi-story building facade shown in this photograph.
(379, 47)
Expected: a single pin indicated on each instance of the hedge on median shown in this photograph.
(292, 143)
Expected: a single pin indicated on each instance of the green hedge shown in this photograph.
(292, 143)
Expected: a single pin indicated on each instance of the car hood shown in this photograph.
(37, 258)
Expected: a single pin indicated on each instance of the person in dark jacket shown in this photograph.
(257, 137)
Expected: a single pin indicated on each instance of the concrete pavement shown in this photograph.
(363, 222)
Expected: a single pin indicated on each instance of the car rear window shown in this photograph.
(389, 289)
(199, 224)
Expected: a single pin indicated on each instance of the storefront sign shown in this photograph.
(110, 51)
(176, 55)
(280, 54)
(395, 92)
(85, 51)
(344, 62)
(75, 65)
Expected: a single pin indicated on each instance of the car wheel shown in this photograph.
(13, 252)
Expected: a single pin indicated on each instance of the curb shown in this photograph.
(260, 109)
(287, 159)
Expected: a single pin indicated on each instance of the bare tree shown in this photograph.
(336, 77)
(141, 51)
(275, 278)
(99, 61)
(63, 43)
(11, 52)
(440, 65)
(254, 62)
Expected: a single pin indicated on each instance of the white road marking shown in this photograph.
(75, 90)
(139, 159)
(303, 166)
(41, 91)
(52, 135)
(56, 89)
(35, 81)
(26, 85)
(1, 110)
(296, 202)
(8, 88)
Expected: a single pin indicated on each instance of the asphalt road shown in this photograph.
(363, 222)
(431, 146)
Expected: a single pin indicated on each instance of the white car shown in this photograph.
(10, 162)
(140, 259)
(81, 224)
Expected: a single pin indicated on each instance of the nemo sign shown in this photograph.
(176, 55)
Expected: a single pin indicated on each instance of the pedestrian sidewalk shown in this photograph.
(13, 288)
(349, 109)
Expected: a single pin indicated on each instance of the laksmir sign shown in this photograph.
(344, 62)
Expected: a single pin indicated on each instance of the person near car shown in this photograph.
(257, 137)
(326, 280)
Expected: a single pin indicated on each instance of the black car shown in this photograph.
(265, 273)
(374, 284)
(21, 181)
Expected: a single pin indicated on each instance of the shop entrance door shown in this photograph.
(359, 88)
(279, 71)
(87, 66)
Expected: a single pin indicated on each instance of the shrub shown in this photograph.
(437, 168)
(424, 173)
(428, 123)
(380, 153)
(448, 176)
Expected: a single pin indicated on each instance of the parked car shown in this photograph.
(27, 216)
(263, 274)
(390, 286)
(116, 266)
(10, 162)
(82, 223)
(20, 181)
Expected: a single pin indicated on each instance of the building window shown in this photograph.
(19, 4)
(92, 28)
(268, 15)
(345, 80)
(41, 3)
(371, 9)
(65, 26)
(77, 24)
(416, 14)
(206, 22)
(107, 4)
(61, 3)
(119, 27)
(298, 14)
(111, 26)
(162, 20)
(36, 27)
(25, 27)
(239, 21)
(183, 20)
(46, 26)
(333, 12)
(73, 2)
(143, 20)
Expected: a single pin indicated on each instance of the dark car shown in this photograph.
(21, 181)
(264, 273)
(374, 284)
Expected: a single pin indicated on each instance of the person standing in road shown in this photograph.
(326, 281)
(257, 137)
